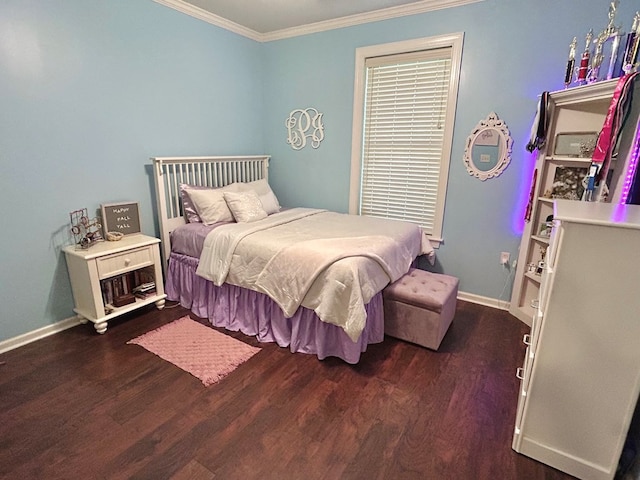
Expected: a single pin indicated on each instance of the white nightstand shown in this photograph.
(100, 272)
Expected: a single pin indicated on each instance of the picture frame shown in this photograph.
(568, 182)
(544, 229)
(575, 144)
(122, 217)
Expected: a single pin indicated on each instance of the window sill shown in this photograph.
(435, 242)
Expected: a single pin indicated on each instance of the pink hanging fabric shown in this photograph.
(607, 138)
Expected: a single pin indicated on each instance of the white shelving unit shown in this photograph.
(574, 110)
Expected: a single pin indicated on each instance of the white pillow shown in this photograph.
(210, 204)
(267, 197)
(245, 206)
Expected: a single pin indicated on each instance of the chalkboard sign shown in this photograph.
(121, 217)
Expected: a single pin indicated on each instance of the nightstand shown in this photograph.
(127, 273)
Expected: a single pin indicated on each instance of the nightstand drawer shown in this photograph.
(117, 263)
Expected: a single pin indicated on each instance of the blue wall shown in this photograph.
(90, 89)
(513, 50)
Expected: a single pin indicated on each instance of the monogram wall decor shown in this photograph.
(303, 124)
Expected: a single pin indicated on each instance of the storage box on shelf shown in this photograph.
(582, 111)
(110, 279)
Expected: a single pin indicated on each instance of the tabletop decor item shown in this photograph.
(86, 231)
(120, 219)
(114, 236)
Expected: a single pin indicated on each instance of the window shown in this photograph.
(405, 96)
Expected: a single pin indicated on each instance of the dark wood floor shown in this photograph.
(78, 405)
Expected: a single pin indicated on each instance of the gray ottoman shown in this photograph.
(420, 306)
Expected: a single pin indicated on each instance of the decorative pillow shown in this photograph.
(189, 209)
(210, 205)
(245, 206)
(267, 197)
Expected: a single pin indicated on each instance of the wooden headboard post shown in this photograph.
(218, 171)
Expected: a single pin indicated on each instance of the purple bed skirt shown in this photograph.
(255, 314)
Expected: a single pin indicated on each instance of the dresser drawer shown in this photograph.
(117, 263)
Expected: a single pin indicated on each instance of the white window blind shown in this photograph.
(405, 108)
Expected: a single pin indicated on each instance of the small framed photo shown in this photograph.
(123, 218)
(576, 144)
(545, 229)
(568, 182)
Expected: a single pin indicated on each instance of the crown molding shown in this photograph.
(348, 21)
(200, 14)
(360, 18)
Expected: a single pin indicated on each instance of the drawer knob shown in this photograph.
(127, 261)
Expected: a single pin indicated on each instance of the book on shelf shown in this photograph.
(124, 289)
(147, 294)
(107, 292)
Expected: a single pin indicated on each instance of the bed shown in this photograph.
(330, 268)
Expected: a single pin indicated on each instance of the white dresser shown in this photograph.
(581, 374)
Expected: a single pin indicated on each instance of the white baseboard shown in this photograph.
(487, 301)
(34, 335)
(43, 332)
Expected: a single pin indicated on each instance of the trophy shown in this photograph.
(611, 32)
(584, 60)
(568, 75)
(631, 48)
(596, 60)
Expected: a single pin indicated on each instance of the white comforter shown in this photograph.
(328, 262)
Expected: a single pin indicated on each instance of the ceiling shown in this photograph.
(265, 20)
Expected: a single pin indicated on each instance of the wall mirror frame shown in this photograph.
(487, 152)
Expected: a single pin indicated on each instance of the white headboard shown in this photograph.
(218, 171)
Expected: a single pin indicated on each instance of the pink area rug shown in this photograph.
(202, 351)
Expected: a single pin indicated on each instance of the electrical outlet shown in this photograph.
(514, 264)
(504, 258)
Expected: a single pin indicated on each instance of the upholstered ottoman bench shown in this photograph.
(419, 307)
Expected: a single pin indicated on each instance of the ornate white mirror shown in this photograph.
(488, 149)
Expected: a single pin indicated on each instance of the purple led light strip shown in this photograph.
(633, 162)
